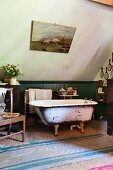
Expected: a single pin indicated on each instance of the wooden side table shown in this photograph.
(9, 122)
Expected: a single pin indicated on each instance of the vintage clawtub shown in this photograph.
(54, 112)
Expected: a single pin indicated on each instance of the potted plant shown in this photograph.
(11, 71)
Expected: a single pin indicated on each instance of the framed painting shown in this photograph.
(51, 37)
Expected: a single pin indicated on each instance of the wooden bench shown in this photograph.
(9, 122)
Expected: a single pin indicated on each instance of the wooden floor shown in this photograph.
(107, 2)
(42, 132)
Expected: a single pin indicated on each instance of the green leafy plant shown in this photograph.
(12, 70)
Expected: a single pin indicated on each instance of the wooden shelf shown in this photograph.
(102, 96)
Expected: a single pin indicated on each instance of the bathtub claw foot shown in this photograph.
(56, 126)
(82, 127)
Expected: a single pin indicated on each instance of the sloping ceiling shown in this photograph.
(91, 46)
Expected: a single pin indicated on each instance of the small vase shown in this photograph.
(13, 81)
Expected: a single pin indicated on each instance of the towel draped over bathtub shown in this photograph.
(39, 94)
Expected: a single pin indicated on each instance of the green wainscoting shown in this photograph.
(85, 89)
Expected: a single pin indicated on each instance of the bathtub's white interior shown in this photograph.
(67, 102)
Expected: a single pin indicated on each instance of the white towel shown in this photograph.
(32, 96)
(39, 94)
(43, 94)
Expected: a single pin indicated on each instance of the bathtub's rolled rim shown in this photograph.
(62, 103)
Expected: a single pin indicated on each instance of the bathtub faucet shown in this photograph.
(85, 101)
(90, 100)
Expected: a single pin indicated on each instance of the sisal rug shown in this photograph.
(79, 153)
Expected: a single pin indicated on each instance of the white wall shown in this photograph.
(91, 46)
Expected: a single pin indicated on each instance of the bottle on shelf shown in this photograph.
(106, 76)
(109, 65)
(101, 73)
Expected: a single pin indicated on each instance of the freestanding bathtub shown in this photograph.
(54, 112)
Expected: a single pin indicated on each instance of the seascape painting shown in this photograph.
(51, 37)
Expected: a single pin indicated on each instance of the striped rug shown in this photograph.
(107, 167)
(80, 153)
